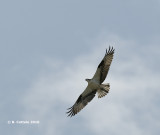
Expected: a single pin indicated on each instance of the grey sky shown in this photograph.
(48, 48)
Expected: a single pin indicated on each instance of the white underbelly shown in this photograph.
(93, 84)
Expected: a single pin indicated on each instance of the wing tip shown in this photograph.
(110, 50)
(70, 112)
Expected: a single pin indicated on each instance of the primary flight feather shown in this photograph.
(95, 84)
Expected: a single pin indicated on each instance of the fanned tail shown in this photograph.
(103, 90)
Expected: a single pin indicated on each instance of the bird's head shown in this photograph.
(88, 80)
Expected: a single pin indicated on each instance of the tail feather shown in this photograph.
(103, 90)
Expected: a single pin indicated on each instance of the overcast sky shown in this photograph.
(48, 48)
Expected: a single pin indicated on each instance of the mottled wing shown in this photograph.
(81, 102)
(104, 66)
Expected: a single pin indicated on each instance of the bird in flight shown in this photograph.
(95, 84)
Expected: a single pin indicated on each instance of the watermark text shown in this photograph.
(23, 122)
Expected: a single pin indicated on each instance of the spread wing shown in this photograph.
(104, 66)
(81, 102)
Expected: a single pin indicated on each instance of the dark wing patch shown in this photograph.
(80, 103)
(101, 64)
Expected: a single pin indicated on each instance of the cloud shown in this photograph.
(131, 107)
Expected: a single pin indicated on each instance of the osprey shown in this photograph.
(94, 85)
